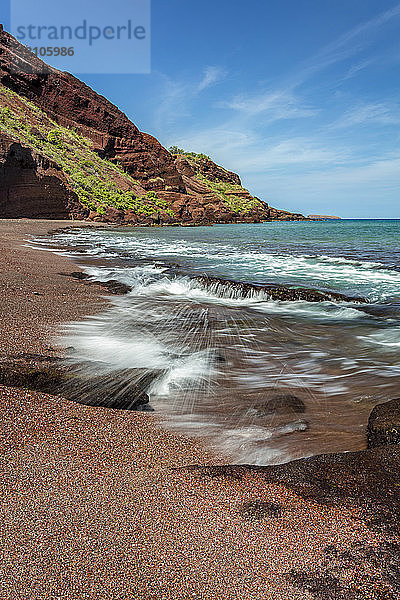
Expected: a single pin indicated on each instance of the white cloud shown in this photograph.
(211, 75)
(321, 162)
(382, 173)
(345, 46)
(172, 105)
(294, 152)
(368, 190)
(176, 96)
(222, 140)
(276, 105)
(280, 103)
(361, 30)
(358, 67)
(244, 150)
(372, 113)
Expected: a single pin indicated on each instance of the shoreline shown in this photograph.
(104, 505)
(35, 289)
(33, 332)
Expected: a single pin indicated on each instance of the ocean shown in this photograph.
(261, 381)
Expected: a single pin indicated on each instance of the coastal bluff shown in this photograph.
(67, 152)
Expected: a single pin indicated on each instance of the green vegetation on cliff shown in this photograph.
(236, 197)
(189, 155)
(95, 181)
(230, 194)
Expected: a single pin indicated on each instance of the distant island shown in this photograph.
(322, 217)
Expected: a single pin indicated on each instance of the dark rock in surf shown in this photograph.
(116, 287)
(237, 289)
(32, 371)
(112, 285)
(384, 424)
(122, 390)
(284, 404)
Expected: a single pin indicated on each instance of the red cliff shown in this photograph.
(35, 182)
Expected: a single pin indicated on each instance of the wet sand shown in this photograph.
(100, 504)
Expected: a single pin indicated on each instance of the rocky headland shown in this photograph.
(67, 152)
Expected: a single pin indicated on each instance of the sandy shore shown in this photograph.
(98, 504)
(36, 294)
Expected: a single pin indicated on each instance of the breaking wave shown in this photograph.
(213, 332)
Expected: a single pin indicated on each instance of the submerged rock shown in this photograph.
(115, 287)
(283, 404)
(79, 275)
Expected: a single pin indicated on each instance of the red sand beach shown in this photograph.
(95, 508)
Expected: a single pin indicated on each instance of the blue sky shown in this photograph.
(300, 97)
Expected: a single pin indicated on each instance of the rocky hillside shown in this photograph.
(66, 151)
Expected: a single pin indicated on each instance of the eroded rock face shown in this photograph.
(73, 104)
(199, 172)
(32, 186)
(284, 215)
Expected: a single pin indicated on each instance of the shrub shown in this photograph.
(5, 114)
(175, 150)
(55, 137)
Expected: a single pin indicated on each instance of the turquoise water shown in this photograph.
(220, 357)
(354, 257)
